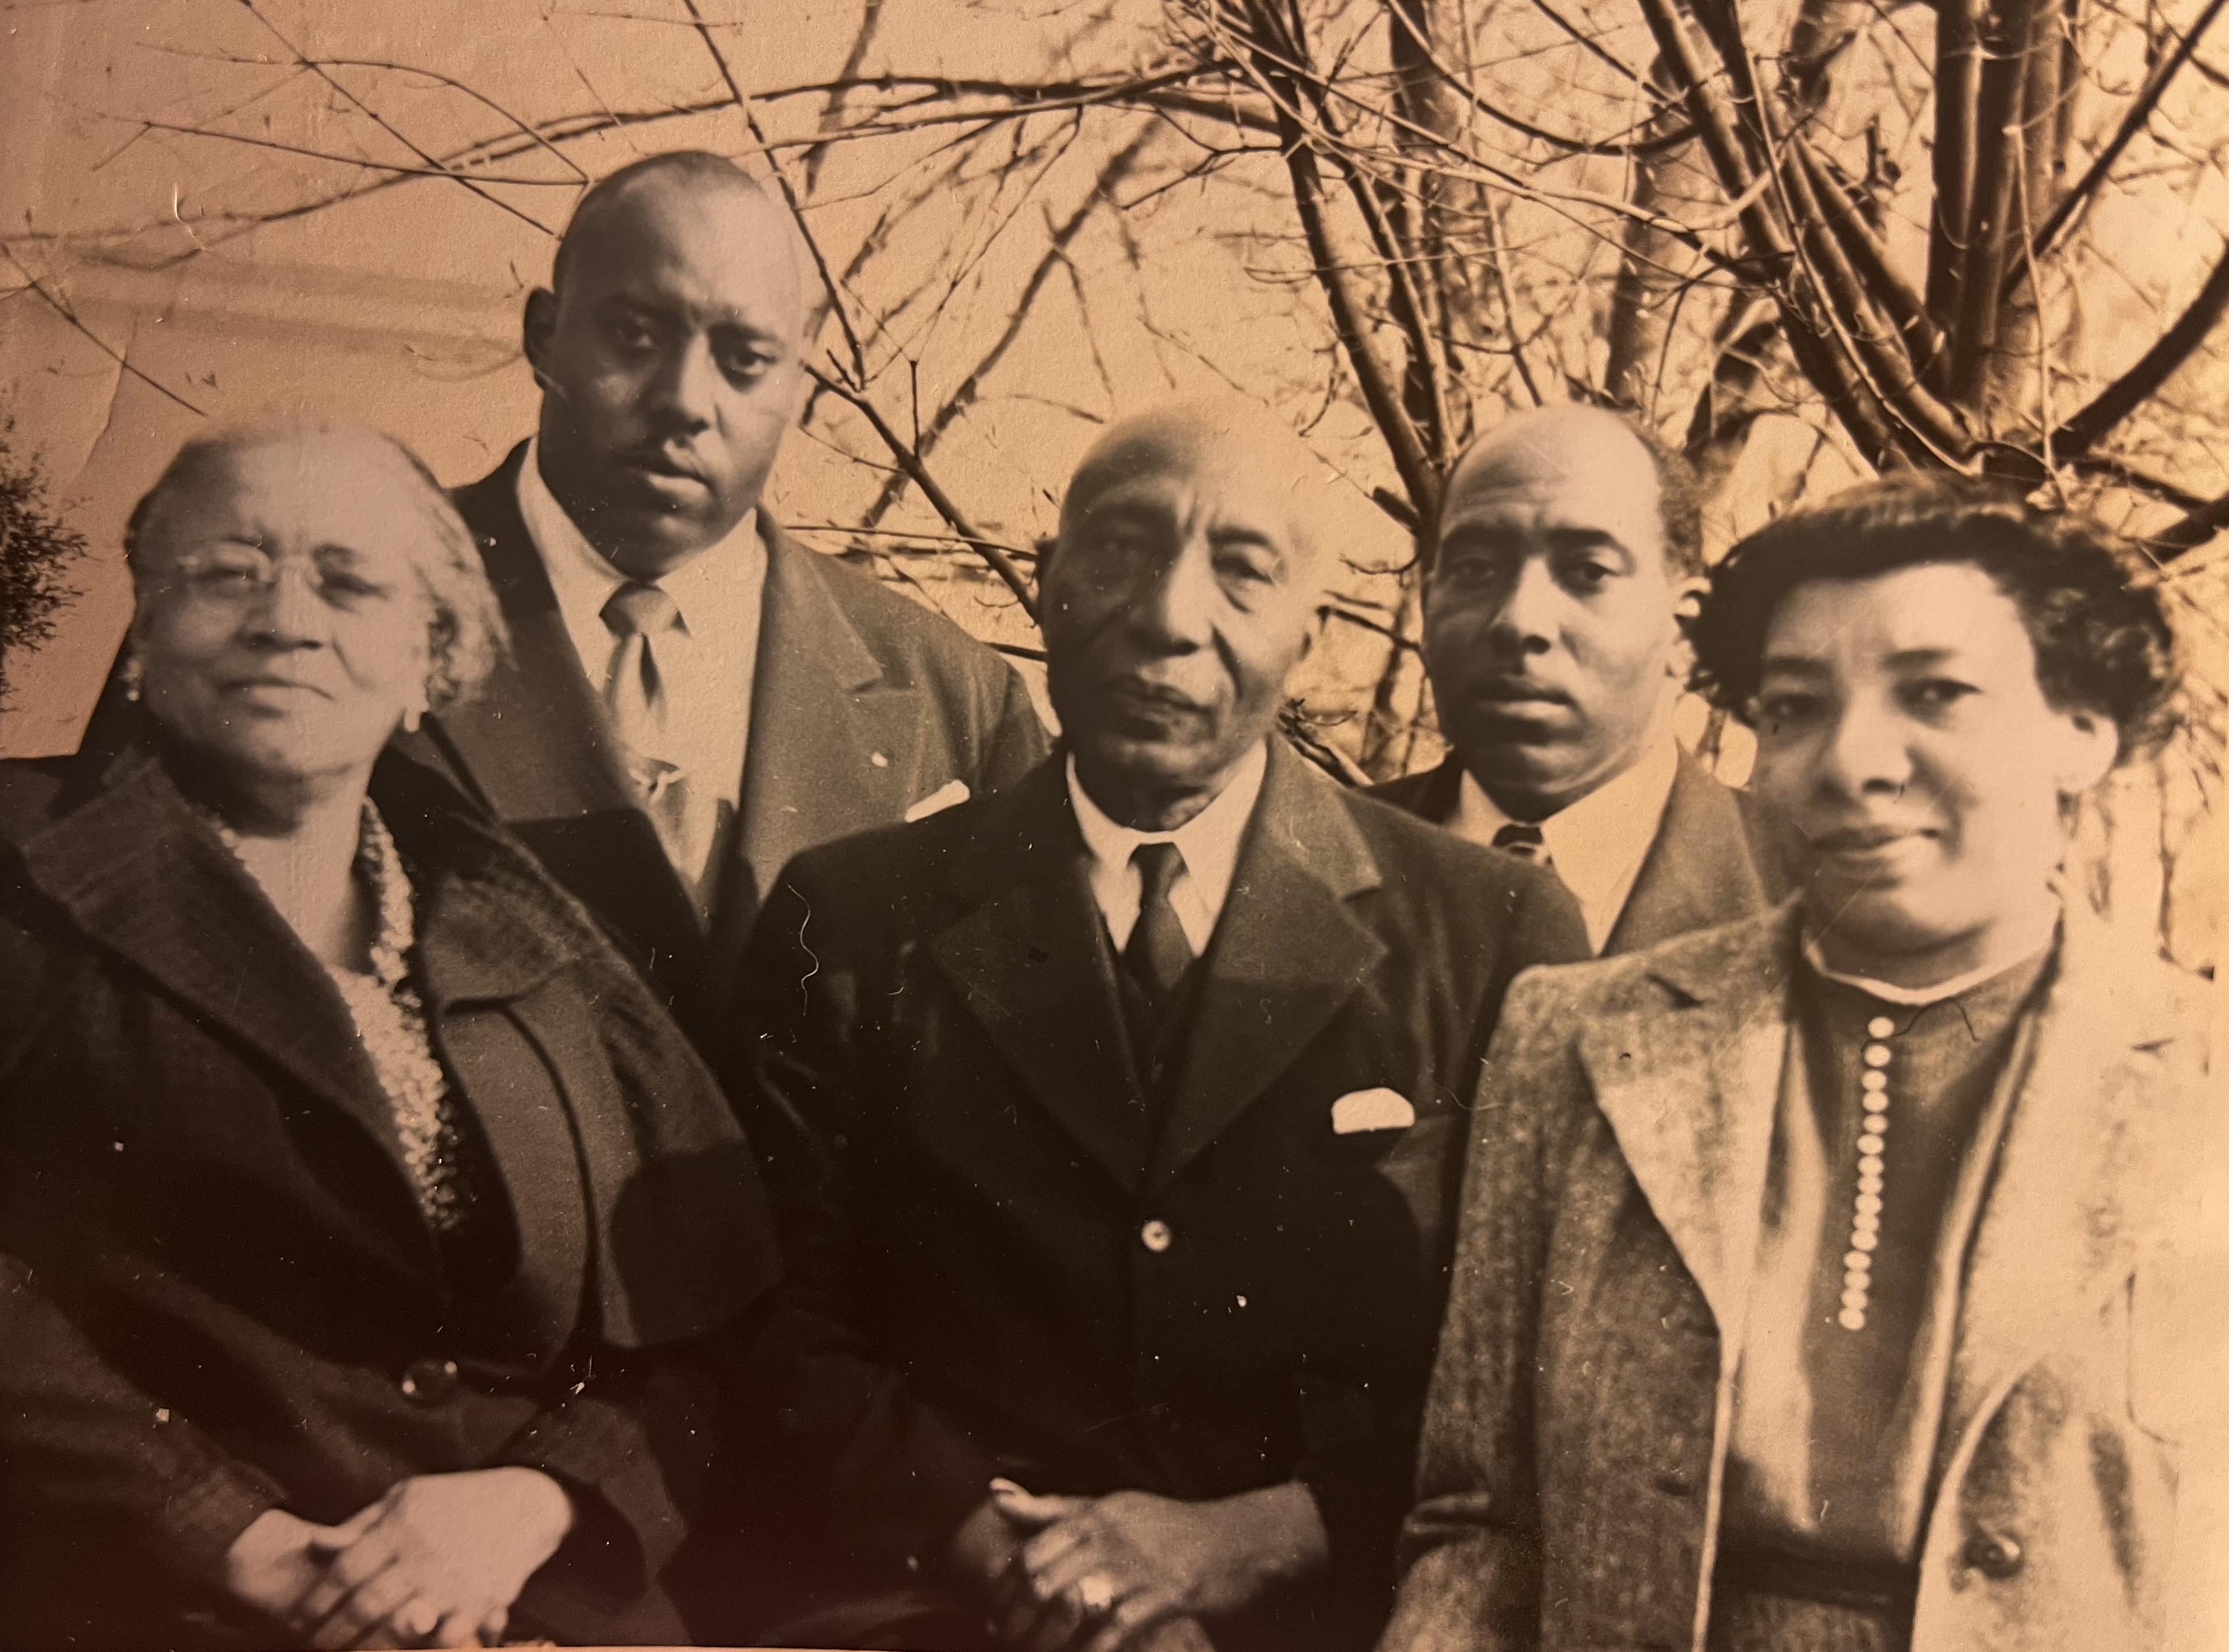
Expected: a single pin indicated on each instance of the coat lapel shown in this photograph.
(1286, 955)
(1691, 1095)
(2086, 1160)
(477, 948)
(141, 876)
(1033, 964)
(1696, 872)
(821, 715)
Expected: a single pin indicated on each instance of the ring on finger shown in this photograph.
(1095, 1593)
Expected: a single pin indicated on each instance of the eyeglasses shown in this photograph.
(236, 575)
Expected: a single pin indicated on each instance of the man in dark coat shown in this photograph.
(1113, 1122)
(1566, 545)
(694, 697)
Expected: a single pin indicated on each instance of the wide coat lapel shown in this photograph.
(1286, 955)
(1691, 1095)
(1696, 872)
(831, 742)
(1033, 964)
(142, 877)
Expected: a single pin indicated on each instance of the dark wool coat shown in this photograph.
(864, 704)
(225, 1298)
(1017, 1277)
(1575, 1444)
(1717, 857)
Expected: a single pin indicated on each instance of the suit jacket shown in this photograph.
(1574, 1445)
(1717, 857)
(228, 1299)
(1016, 1275)
(863, 705)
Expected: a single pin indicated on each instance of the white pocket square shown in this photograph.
(951, 792)
(1366, 1110)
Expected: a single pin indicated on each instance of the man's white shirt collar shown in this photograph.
(1209, 841)
(1596, 845)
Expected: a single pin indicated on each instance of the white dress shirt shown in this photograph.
(1596, 845)
(706, 663)
(1209, 841)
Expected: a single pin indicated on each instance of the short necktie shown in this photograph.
(635, 696)
(1157, 953)
(1520, 839)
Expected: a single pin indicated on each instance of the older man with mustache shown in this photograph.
(1115, 1120)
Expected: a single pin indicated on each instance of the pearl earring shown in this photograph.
(134, 674)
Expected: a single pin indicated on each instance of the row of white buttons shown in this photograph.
(1865, 1224)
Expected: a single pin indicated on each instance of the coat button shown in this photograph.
(1155, 1236)
(1993, 1554)
(428, 1382)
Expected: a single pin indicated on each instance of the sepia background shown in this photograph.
(1800, 239)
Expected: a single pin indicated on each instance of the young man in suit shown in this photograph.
(1566, 545)
(1115, 1119)
(694, 697)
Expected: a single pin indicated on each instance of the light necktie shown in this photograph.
(1157, 953)
(635, 696)
(1523, 841)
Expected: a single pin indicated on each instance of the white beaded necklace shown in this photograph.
(390, 1022)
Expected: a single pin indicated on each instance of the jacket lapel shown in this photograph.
(1692, 1094)
(1696, 872)
(1033, 964)
(1286, 955)
(2086, 1160)
(821, 715)
(138, 875)
(476, 947)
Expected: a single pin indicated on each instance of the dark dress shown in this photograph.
(225, 1297)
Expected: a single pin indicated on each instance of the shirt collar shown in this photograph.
(1920, 997)
(1209, 841)
(1596, 844)
(583, 580)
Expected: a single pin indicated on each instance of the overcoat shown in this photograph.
(225, 1297)
(1719, 854)
(864, 706)
(1575, 1442)
(1020, 1274)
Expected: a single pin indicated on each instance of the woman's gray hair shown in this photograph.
(467, 637)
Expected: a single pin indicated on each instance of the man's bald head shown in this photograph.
(1597, 449)
(667, 348)
(1180, 594)
(613, 202)
(1218, 439)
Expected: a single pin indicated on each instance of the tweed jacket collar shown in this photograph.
(1690, 1084)
(1032, 964)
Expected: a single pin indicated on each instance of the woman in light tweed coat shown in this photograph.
(1811, 1295)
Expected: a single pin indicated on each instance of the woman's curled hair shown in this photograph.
(2102, 640)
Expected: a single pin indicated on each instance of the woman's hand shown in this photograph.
(436, 1562)
(1132, 1570)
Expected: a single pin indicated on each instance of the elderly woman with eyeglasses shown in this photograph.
(1826, 1280)
(380, 1250)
